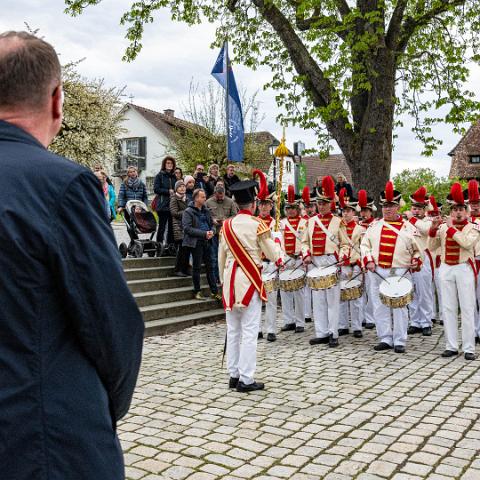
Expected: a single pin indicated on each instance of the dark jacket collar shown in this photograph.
(12, 133)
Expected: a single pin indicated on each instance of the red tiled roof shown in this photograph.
(318, 167)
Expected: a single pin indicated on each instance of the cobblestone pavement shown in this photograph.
(345, 413)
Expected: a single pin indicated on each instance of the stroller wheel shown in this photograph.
(160, 249)
(137, 250)
(151, 253)
(123, 249)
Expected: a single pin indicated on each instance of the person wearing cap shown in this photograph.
(389, 248)
(457, 238)
(189, 187)
(472, 193)
(421, 308)
(221, 207)
(310, 211)
(265, 204)
(351, 311)
(291, 229)
(324, 239)
(367, 208)
(243, 238)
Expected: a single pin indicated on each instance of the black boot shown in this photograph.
(427, 331)
(233, 382)
(412, 330)
(260, 335)
(358, 334)
(289, 327)
(271, 337)
(319, 341)
(382, 346)
(449, 353)
(343, 331)
(332, 342)
(308, 320)
(241, 387)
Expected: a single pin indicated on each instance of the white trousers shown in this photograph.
(385, 316)
(438, 304)
(477, 310)
(270, 313)
(457, 283)
(293, 303)
(242, 333)
(368, 303)
(421, 309)
(308, 302)
(351, 312)
(326, 303)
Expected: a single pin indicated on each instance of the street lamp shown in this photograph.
(271, 149)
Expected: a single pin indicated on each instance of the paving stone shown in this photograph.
(281, 471)
(383, 469)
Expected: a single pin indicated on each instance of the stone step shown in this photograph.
(178, 309)
(132, 263)
(147, 273)
(166, 326)
(153, 284)
(155, 297)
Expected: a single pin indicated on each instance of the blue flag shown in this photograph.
(235, 131)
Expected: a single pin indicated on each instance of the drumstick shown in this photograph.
(406, 271)
(297, 267)
(331, 265)
(381, 276)
(353, 278)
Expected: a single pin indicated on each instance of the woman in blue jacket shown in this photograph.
(132, 189)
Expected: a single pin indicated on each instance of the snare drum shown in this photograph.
(270, 281)
(396, 292)
(350, 289)
(319, 278)
(291, 281)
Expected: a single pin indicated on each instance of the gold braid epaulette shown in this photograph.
(262, 227)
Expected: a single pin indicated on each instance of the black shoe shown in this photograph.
(440, 322)
(260, 335)
(233, 382)
(271, 337)
(449, 353)
(319, 341)
(382, 346)
(399, 349)
(241, 387)
(477, 340)
(469, 356)
(412, 330)
(358, 334)
(332, 342)
(427, 331)
(180, 274)
(369, 326)
(364, 323)
(288, 327)
(308, 320)
(343, 331)
(299, 329)
(434, 321)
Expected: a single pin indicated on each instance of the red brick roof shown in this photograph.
(333, 164)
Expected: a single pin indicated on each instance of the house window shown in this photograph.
(474, 158)
(132, 146)
(131, 151)
(289, 167)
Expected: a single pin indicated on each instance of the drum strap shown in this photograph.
(243, 258)
(289, 226)
(329, 235)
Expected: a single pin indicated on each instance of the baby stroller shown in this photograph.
(139, 220)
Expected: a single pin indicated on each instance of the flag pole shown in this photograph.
(227, 113)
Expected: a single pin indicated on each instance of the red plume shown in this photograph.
(306, 195)
(456, 194)
(328, 187)
(389, 192)
(362, 198)
(291, 194)
(473, 195)
(419, 195)
(263, 190)
(433, 203)
(341, 197)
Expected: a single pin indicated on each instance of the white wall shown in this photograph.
(137, 126)
(288, 177)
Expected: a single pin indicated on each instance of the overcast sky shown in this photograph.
(173, 54)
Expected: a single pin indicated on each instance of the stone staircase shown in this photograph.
(166, 302)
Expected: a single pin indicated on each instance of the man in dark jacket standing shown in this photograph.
(229, 179)
(197, 232)
(70, 332)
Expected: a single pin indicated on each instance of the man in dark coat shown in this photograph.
(70, 332)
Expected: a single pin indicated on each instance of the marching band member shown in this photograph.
(310, 211)
(434, 210)
(367, 208)
(243, 239)
(473, 195)
(265, 204)
(323, 240)
(421, 308)
(291, 228)
(351, 309)
(457, 238)
(389, 248)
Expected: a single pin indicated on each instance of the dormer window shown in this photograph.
(475, 159)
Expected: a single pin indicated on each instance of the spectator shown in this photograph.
(98, 167)
(199, 176)
(342, 183)
(132, 188)
(221, 208)
(108, 193)
(178, 204)
(71, 333)
(178, 174)
(229, 179)
(197, 232)
(190, 187)
(212, 179)
(163, 186)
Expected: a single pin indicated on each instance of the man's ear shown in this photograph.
(57, 103)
